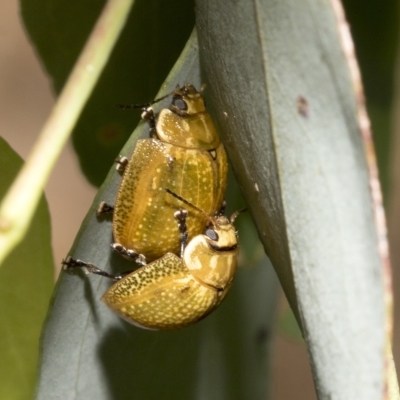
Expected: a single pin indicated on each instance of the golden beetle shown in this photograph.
(183, 154)
(173, 292)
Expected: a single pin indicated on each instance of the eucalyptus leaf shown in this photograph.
(26, 282)
(288, 118)
(90, 353)
(375, 30)
(155, 34)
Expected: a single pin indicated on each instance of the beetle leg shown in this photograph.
(121, 162)
(221, 211)
(148, 115)
(181, 216)
(89, 268)
(104, 208)
(129, 254)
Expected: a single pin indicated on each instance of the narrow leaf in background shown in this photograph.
(26, 283)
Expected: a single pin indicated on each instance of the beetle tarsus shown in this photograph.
(104, 208)
(121, 162)
(181, 216)
(89, 268)
(69, 262)
(141, 259)
(129, 254)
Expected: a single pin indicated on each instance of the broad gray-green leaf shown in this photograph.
(26, 283)
(288, 116)
(150, 43)
(90, 353)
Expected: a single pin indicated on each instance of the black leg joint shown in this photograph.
(181, 216)
(104, 208)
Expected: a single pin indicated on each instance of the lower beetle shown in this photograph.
(173, 292)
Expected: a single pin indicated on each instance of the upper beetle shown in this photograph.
(183, 154)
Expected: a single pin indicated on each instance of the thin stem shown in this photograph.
(20, 202)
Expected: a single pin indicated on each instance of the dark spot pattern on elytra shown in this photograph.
(176, 298)
(143, 216)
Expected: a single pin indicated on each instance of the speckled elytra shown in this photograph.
(172, 292)
(184, 154)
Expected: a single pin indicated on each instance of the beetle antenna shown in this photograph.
(129, 106)
(189, 203)
(236, 214)
(231, 219)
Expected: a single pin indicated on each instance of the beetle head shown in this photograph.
(221, 235)
(187, 123)
(187, 100)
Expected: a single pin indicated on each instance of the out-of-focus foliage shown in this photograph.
(374, 26)
(154, 36)
(26, 283)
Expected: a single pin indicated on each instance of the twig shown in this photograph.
(20, 202)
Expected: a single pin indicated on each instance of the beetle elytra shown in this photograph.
(172, 292)
(184, 154)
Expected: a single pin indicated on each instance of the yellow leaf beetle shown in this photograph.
(172, 292)
(184, 154)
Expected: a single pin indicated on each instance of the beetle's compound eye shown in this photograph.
(179, 103)
(210, 233)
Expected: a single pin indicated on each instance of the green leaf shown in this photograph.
(288, 326)
(287, 112)
(26, 283)
(152, 40)
(90, 353)
(375, 30)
